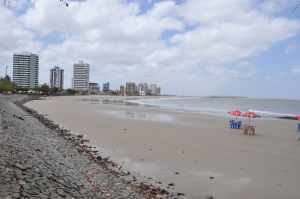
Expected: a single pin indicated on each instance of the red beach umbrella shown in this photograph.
(250, 115)
(235, 113)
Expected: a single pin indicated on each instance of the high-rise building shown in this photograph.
(143, 89)
(57, 78)
(154, 89)
(131, 89)
(81, 76)
(158, 91)
(26, 70)
(105, 87)
(122, 90)
(94, 87)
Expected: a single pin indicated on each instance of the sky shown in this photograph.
(188, 47)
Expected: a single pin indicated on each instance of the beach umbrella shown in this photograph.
(250, 115)
(235, 113)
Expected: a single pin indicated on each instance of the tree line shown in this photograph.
(7, 86)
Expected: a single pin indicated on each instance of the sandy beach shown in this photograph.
(196, 152)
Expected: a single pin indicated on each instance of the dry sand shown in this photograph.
(196, 152)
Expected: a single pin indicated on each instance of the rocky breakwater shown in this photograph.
(38, 159)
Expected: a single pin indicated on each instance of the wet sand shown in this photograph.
(196, 152)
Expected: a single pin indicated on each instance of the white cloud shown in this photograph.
(14, 37)
(208, 41)
(230, 31)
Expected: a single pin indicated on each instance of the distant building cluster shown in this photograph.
(105, 87)
(142, 89)
(26, 75)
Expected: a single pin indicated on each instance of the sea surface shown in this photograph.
(222, 105)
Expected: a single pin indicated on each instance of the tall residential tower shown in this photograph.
(26, 70)
(131, 89)
(81, 76)
(57, 78)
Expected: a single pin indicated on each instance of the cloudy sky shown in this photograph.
(189, 47)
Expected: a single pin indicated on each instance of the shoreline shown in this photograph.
(261, 113)
(84, 148)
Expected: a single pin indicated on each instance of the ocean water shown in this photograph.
(221, 106)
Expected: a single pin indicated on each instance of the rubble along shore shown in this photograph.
(38, 159)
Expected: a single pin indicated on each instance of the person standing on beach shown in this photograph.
(298, 126)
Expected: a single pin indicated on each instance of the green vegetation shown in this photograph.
(54, 90)
(70, 92)
(44, 88)
(6, 86)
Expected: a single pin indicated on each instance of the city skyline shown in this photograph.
(255, 54)
(26, 72)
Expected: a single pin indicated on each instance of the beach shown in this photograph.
(38, 159)
(190, 152)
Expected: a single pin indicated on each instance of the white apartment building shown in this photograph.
(81, 76)
(26, 70)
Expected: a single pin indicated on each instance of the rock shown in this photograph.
(21, 167)
(180, 194)
(33, 151)
(60, 192)
(16, 195)
(21, 182)
(99, 158)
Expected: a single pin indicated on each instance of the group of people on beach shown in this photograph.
(250, 129)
